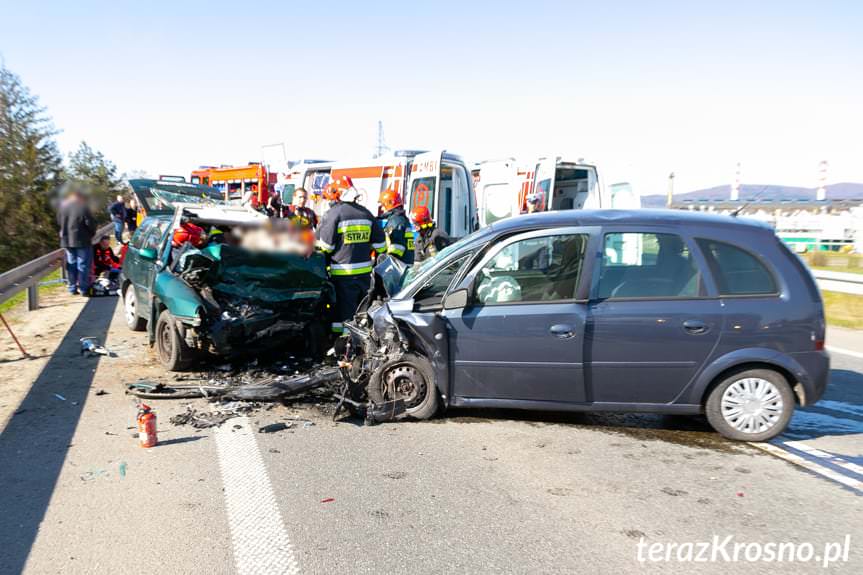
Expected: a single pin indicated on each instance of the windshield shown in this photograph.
(416, 272)
(161, 196)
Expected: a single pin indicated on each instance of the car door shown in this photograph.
(147, 269)
(133, 265)
(520, 336)
(651, 321)
(543, 181)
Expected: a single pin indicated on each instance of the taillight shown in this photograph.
(819, 344)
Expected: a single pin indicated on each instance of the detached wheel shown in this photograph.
(130, 310)
(751, 405)
(173, 352)
(409, 378)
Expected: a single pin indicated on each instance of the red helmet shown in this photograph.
(389, 199)
(189, 232)
(420, 216)
(333, 191)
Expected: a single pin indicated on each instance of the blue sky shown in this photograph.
(640, 88)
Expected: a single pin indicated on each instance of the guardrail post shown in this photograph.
(33, 297)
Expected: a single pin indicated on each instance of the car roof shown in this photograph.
(636, 217)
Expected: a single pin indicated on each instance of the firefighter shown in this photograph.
(348, 234)
(397, 228)
(428, 238)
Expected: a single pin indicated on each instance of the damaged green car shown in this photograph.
(207, 278)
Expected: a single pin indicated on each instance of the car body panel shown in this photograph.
(633, 354)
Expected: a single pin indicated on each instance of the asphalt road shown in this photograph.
(474, 492)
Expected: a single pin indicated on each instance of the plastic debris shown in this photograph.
(328, 500)
(60, 397)
(274, 427)
(90, 346)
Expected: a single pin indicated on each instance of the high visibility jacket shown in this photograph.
(348, 234)
(399, 234)
(305, 218)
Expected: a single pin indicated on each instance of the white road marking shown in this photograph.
(835, 460)
(261, 544)
(778, 451)
(856, 354)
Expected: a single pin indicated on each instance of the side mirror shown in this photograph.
(456, 299)
(148, 254)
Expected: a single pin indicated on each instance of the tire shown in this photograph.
(171, 348)
(130, 310)
(751, 405)
(410, 371)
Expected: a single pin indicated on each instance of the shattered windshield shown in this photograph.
(161, 196)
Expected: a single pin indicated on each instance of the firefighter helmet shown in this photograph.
(420, 216)
(389, 199)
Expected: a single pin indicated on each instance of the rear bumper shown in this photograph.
(814, 375)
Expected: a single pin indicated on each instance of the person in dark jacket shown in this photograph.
(118, 217)
(131, 216)
(397, 228)
(77, 228)
(348, 234)
(428, 238)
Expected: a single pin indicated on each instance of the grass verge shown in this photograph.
(843, 309)
(21, 296)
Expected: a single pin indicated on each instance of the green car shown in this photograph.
(223, 298)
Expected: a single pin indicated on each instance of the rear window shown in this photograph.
(737, 271)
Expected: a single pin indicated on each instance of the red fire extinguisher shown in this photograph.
(146, 426)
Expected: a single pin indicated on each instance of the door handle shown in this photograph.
(695, 326)
(562, 330)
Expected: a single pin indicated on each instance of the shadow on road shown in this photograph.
(34, 444)
(839, 412)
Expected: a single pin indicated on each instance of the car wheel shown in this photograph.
(751, 405)
(173, 352)
(130, 309)
(409, 378)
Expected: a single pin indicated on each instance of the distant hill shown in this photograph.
(841, 191)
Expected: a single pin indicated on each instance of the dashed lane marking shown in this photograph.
(260, 540)
(817, 461)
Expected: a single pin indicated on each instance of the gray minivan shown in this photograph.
(651, 311)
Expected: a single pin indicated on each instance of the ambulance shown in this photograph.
(503, 186)
(439, 180)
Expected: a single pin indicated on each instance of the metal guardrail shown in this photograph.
(27, 275)
(843, 282)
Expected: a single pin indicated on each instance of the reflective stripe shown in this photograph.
(350, 224)
(396, 249)
(324, 246)
(379, 246)
(351, 269)
(337, 327)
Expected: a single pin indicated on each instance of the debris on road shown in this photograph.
(60, 397)
(274, 427)
(101, 392)
(90, 346)
(328, 500)
(202, 419)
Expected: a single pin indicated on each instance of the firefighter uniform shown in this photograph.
(399, 234)
(428, 241)
(348, 234)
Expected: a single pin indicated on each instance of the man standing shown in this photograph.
(397, 229)
(298, 211)
(77, 228)
(347, 235)
(428, 239)
(118, 217)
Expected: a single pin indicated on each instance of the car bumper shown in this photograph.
(814, 374)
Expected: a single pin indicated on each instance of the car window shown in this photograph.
(138, 237)
(737, 271)
(537, 269)
(435, 287)
(638, 265)
(153, 239)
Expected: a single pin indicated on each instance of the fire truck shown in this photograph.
(438, 180)
(502, 186)
(235, 181)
